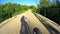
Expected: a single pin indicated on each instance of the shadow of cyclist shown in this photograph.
(24, 26)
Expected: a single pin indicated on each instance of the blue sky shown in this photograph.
(23, 2)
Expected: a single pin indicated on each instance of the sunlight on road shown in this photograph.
(25, 23)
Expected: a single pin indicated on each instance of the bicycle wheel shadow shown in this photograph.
(24, 26)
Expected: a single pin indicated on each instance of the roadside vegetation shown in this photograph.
(50, 9)
(46, 8)
(9, 10)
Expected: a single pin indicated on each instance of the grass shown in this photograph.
(14, 14)
(20, 12)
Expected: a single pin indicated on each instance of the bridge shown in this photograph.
(29, 23)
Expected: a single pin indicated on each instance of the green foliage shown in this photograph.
(33, 8)
(50, 10)
(9, 9)
(44, 3)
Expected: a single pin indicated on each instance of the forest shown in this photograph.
(9, 10)
(50, 9)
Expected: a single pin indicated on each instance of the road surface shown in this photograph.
(26, 23)
(49, 24)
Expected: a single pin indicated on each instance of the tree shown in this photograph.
(8, 9)
(50, 9)
(1, 13)
(57, 2)
(1, 10)
(44, 3)
(11, 9)
(33, 8)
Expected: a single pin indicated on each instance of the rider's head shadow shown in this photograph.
(23, 20)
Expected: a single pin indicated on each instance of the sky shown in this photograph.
(23, 2)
